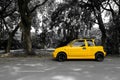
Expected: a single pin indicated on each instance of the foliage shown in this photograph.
(114, 28)
(71, 19)
(61, 22)
(7, 14)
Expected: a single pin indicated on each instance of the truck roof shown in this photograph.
(85, 39)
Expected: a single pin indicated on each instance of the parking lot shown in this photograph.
(45, 68)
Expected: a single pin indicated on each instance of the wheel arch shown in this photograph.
(99, 56)
(99, 52)
(61, 52)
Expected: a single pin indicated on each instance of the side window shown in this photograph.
(79, 43)
(90, 43)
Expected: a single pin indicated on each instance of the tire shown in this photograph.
(61, 57)
(99, 57)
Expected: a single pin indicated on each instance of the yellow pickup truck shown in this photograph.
(80, 49)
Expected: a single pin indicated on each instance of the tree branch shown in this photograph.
(38, 6)
(14, 31)
(9, 13)
(116, 2)
(112, 11)
(94, 21)
(105, 8)
(110, 6)
(107, 3)
(5, 24)
(7, 5)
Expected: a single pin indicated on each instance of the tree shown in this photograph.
(71, 18)
(113, 7)
(41, 21)
(9, 18)
(114, 10)
(7, 8)
(26, 18)
(13, 21)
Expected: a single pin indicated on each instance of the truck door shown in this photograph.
(90, 48)
(78, 49)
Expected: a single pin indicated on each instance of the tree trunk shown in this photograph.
(64, 34)
(27, 41)
(116, 34)
(97, 13)
(7, 50)
(26, 25)
(102, 29)
(115, 45)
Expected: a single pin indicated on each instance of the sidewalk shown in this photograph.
(39, 52)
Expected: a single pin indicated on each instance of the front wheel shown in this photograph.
(61, 57)
(100, 57)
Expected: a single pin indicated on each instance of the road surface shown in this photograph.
(48, 69)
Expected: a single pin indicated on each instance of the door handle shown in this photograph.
(83, 48)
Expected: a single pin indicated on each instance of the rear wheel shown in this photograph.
(99, 57)
(61, 57)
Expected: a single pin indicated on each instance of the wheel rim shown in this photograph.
(61, 57)
(100, 58)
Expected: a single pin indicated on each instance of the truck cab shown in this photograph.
(80, 49)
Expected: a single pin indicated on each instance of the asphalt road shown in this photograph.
(48, 69)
